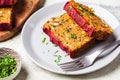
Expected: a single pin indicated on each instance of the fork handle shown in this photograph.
(108, 49)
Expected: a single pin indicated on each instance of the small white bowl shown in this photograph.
(9, 52)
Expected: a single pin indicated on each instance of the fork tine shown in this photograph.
(68, 63)
(73, 68)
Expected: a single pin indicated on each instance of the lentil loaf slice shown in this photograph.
(68, 35)
(88, 21)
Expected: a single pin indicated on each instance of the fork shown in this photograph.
(88, 60)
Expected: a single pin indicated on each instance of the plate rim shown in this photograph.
(42, 66)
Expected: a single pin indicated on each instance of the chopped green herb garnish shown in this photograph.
(73, 36)
(62, 32)
(80, 5)
(56, 51)
(53, 25)
(55, 45)
(48, 50)
(81, 14)
(67, 30)
(42, 32)
(7, 66)
(58, 58)
(43, 40)
(56, 61)
(89, 13)
(47, 43)
(63, 19)
(66, 55)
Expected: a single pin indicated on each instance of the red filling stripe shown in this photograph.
(54, 39)
(78, 19)
(6, 2)
(4, 26)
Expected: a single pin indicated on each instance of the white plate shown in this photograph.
(43, 54)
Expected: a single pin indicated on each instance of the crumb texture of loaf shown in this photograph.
(5, 19)
(85, 17)
(64, 32)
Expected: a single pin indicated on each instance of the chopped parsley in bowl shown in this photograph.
(10, 64)
(7, 66)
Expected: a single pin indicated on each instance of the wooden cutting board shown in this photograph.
(23, 9)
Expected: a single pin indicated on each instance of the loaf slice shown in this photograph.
(5, 19)
(88, 21)
(65, 33)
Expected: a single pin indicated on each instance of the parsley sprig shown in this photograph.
(73, 36)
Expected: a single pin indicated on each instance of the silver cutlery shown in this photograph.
(88, 60)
